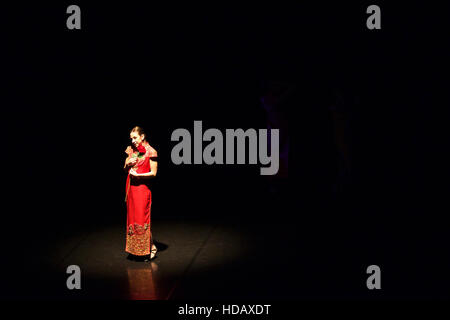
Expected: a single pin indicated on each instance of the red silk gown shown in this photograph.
(139, 201)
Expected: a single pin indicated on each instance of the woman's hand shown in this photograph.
(129, 150)
(131, 161)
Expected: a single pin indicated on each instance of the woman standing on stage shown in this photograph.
(141, 166)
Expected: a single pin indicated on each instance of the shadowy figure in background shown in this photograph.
(275, 101)
(322, 114)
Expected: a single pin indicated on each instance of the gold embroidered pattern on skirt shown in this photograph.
(138, 240)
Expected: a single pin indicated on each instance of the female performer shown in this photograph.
(141, 166)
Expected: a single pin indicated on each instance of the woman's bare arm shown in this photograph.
(151, 174)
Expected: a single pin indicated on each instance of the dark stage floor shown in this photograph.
(320, 256)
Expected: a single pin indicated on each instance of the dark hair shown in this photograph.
(140, 132)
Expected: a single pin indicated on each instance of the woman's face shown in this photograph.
(136, 139)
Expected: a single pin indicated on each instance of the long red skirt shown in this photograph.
(139, 201)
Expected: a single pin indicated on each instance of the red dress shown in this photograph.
(139, 200)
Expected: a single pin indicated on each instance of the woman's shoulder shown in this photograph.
(151, 152)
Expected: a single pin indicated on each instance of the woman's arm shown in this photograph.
(129, 161)
(151, 174)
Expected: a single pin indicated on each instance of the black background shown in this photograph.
(71, 97)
